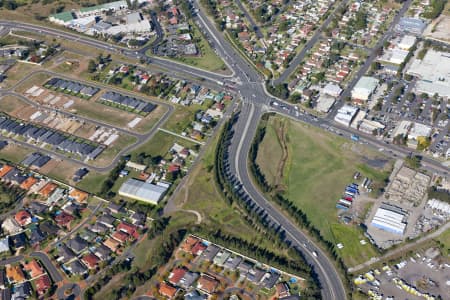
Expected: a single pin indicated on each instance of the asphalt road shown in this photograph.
(73, 287)
(250, 19)
(51, 269)
(255, 100)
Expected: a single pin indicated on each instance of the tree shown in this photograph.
(413, 161)
(92, 66)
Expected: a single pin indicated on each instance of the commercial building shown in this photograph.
(332, 90)
(419, 130)
(370, 126)
(142, 191)
(411, 25)
(63, 18)
(324, 103)
(346, 114)
(95, 10)
(364, 88)
(390, 218)
(407, 42)
(433, 72)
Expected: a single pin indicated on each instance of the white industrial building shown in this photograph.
(142, 191)
(440, 206)
(390, 218)
(433, 72)
(402, 128)
(358, 119)
(407, 42)
(369, 126)
(332, 89)
(324, 103)
(419, 130)
(364, 88)
(346, 114)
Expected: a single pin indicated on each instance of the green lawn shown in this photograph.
(92, 182)
(161, 143)
(444, 240)
(318, 168)
(270, 147)
(181, 118)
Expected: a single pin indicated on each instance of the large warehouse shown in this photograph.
(142, 191)
(346, 114)
(390, 218)
(364, 88)
(433, 72)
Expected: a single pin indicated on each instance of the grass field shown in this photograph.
(10, 104)
(161, 143)
(17, 72)
(92, 182)
(14, 153)
(318, 167)
(200, 193)
(444, 240)
(181, 118)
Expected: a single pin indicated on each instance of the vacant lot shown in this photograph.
(160, 144)
(14, 153)
(17, 72)
(314, 174)
(11, 104)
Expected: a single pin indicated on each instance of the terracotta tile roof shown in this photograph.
(198, 248)
(207, 284)
(48, 189)
(176, 275)
(112, 244)
(189, 243)
(33, 268)
(120, 236)
(4, 170)
(64, 219)
(167, 290)
(14, 274)
(28, 183)
(128, 228)
(43, 283)
(78, 195)
(23, 217)
(90, 260)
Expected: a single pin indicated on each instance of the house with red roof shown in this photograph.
(120, 236)
(198, 248)
(23, 218)
(33, 269)
(64, 219)
(90, 261)
(43, 284)
(190, 242)
(128, 228)
(167, 290)
(176, 275)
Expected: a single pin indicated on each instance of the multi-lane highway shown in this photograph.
(255, 102)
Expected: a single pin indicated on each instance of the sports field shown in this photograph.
(312, 168)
